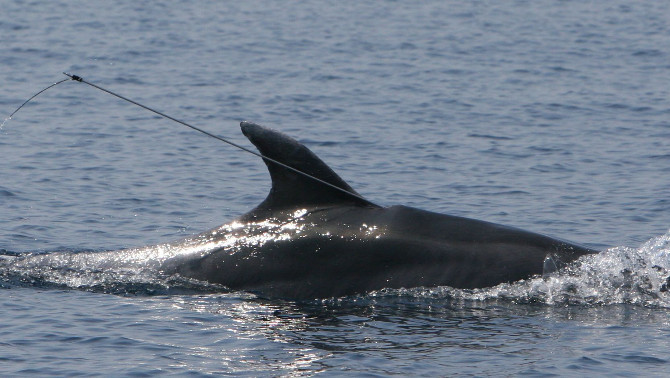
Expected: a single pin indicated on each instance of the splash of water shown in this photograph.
(5, 121)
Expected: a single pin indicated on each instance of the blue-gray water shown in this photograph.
(551, 116)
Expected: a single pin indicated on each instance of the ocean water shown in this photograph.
(551, 116)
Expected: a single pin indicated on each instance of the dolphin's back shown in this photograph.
(348, 250)
(310, 240)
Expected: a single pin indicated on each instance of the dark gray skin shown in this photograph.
(308, 240)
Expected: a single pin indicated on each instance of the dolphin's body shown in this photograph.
(309, 240)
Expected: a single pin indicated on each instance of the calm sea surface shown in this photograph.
(551, 116)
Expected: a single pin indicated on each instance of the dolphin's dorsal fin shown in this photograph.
(291, 189)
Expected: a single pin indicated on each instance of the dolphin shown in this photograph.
(311, 240)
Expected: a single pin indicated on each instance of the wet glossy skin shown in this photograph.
(346, 250)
